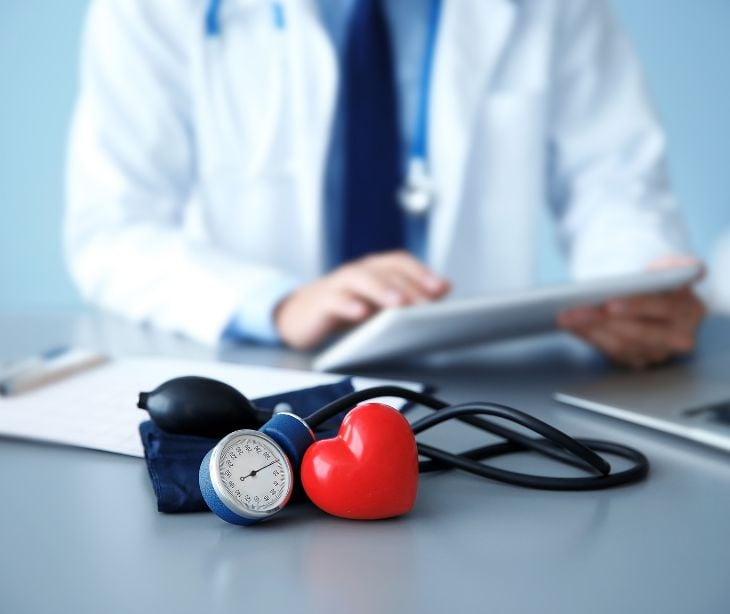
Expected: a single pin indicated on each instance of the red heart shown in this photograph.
(369, 470)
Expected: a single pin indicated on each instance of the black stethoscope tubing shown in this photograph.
(467, 461)
(581, 453)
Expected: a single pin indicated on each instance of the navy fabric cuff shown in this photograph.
(173, 461)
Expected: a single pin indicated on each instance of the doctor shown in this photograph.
(278, 170)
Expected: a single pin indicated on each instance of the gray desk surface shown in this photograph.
(79, 531)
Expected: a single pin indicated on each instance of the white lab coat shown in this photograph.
(197, 165)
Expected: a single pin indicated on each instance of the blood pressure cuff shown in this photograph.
(173, 461)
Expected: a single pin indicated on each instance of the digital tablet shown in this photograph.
(406, 331)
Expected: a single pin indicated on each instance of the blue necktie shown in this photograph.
(372, 221)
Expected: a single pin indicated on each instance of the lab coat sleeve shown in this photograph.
(610, 190)
(254, 319)
(131, 170)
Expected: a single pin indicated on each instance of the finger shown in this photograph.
(311, 314)
(658, 306)
(677, 261)
(429, 283)
(682, 303)
(640, 334)
(398, 278)
(621, 352)
(637, 343)
(681, 309)
(348, 308)
(368, 284)
(618, 344)
(694, 309)
(580, 317)
(642, 341)
(610, 345)
(672, 337)
(689, 314)
(412, 292)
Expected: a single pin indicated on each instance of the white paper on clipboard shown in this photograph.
(97, 409)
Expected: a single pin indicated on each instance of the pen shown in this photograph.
(45, 368)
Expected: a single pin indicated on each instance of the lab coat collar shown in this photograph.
(472, 38)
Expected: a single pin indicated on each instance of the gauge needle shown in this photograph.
(255, 471)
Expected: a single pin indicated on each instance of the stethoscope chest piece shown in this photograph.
(417, 194)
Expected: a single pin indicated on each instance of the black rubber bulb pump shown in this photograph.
(201, 406)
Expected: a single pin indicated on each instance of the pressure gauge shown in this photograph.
(249, 475)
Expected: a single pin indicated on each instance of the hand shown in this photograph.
(352, 293)
(639, 331)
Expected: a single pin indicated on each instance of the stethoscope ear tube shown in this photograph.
(212, 19)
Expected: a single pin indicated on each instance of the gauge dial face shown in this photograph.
(255, 473)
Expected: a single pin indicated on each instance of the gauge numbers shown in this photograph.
(255, 473)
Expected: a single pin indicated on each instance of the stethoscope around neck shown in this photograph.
(417, 193)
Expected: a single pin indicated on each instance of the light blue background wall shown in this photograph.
(685, 46)
(38, 49)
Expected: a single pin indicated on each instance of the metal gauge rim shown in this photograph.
(227, 498)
